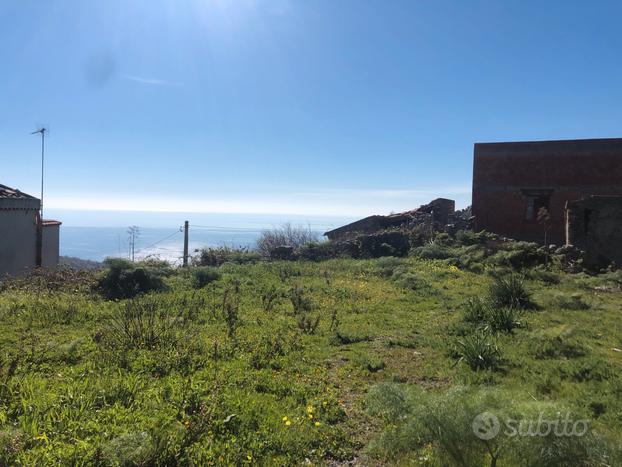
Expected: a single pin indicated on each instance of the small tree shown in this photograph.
(285, 235)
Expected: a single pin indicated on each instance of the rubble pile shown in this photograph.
(439, 215)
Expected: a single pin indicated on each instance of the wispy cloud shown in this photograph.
(150, 81)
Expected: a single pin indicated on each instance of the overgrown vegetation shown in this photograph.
(287, 235)
(124, 279)
(363, 361)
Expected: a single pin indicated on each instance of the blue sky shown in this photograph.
(334, 107)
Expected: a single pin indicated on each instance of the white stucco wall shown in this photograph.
(51, 237)
(18, 240)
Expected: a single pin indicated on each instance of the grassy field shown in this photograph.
(337, 362)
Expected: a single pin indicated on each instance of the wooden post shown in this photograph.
(186, 244)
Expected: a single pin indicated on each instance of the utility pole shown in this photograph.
(39, 259)
(185, 244)
(133, 233)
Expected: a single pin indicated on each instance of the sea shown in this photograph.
(96, 235)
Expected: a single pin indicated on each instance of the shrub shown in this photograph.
(468, 237)
(285, 235)
(510, 291)
(270, 297)
(503, 319)
(318, 251)
(472, 257)
(387, 264)
(302, 309)
(476, 311)
(125, 279)
(488, 316)
(204, 275)
(479, 352)
(453, 429)
(143, 323)
(518, 255)
(389, 243)
(301, 302)
(216, 256)
(421, 234)
(231, 308)
(542, 275)
(433, 251)
(406, 279)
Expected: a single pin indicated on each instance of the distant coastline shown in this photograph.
(95, 235)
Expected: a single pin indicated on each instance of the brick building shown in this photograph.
(512, 181)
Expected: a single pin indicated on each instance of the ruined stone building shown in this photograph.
(438, 211)
(512, 181)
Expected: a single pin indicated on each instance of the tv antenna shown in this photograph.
(43, 130)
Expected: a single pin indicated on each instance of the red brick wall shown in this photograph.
(571, 169)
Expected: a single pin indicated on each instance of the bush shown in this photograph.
(453, 429)
(479, 352)
(472, 257)
(286, 235)
(318, 251)
(504, 319)
(390, 243)
(468, 237)
(216, 256)
(387, 264)
(510, 291)
(433, 251)
(204, 275)
(143, 323)
(487, 316)
(475, 311)
(544, 276)
(125, 279)
(519, 255)
(406, 279)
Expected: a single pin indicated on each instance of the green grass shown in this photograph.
(238, 371)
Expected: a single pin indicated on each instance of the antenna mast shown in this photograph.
(41, 130)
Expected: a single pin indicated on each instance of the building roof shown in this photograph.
(50, 222)
(12, 193)
(575, 147)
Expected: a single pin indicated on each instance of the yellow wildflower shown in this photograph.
(285, 418)
(317, 423)
(288, 423)
(310, 409)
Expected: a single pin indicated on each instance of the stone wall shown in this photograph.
(594, 225)
(438, 211)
